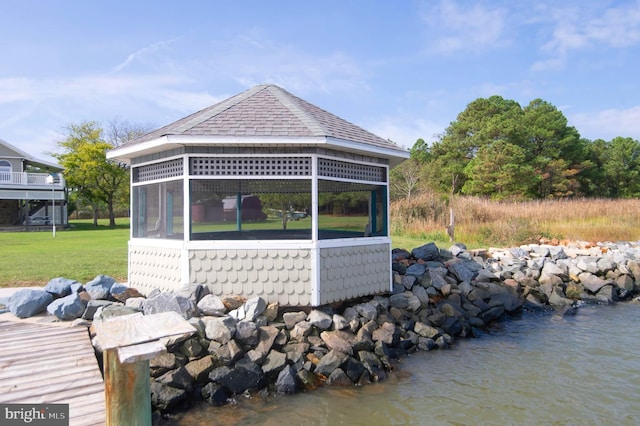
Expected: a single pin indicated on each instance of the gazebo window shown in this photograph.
(351, 210)
(157, 210)
(239, 209)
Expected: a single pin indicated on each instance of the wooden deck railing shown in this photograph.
(30, 179)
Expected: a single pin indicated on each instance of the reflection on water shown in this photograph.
(537, 369)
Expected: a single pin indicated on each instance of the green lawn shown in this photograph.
(80, 253)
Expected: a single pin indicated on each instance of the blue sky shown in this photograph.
(401, 69)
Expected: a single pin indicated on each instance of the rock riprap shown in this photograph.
(247, 346)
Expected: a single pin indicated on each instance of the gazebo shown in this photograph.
(262, 194)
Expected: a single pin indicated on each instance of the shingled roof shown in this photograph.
(266, 111)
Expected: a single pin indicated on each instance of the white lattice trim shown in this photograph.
(250, 166)
(163, 170)
(345, 170)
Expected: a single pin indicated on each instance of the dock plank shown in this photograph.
(49, 364)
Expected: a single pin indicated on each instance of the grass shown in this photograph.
(80, 253)
(481, 222)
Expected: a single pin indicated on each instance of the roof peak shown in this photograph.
(268, 111)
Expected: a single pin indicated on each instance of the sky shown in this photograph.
(401, 69)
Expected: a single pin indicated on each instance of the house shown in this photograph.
(32, 191)
(285, 154)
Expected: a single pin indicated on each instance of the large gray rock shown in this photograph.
(292, 318)
(168, 302)
(60, 287)
(165, 397)
(114, 310)
(592, 282)
(331, 361)
(387, 333)
(194, 292)
(246, 333)
(340, 341)
(67, 308)
(220, 329)
(244, 375)
(93, 306)
(212, 305)
(99, 287)
(286, 382)
(29, 302)
(250, 310)
(416, 270)
(461, 269)
(215, 394)
(319, 319)
(367, 310)
(122, 292)
(274, 362)
(426, 252)
(199, 369)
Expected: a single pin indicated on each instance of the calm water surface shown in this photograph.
(540, 369)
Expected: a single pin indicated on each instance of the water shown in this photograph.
(534, 370)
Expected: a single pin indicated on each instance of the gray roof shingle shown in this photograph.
(267, 111)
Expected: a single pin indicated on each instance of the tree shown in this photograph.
(622, 167)
(405, 179)
(483, 122)
(553, 148)
(500, 170)
(87, 170)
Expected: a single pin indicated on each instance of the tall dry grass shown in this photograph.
(483, 222)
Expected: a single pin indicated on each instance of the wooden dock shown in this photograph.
(51, 364)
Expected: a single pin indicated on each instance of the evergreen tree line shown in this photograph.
(497, 149)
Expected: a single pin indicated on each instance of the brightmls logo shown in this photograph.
(34, 414)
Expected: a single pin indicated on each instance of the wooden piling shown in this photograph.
(128, 343)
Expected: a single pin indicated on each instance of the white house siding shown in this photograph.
(277, 275)
(354, 271)
(154, 267)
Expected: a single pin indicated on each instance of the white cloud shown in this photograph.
(251, 59)
(588, 26)
(405, 131)
(143, 54)
(457, 28)
(608, 124)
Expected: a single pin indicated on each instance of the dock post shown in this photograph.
(127, 394)
(128, 343)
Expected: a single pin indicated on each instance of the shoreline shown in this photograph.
(247, 347)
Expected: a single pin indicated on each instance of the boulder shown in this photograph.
(166, 398)
(59, 287)
(122, 292)
(29, 302)
(169, 302)
(292, 318)
(320, 319)
(592, 282)
(67, 308)
(274, 362)
(426, 252)
(220, 329)
(93, 306)
(215, 394)
(286, 382)
(243, 376)
(340, 341)
(199, 369)
(339, 378)
(99, 287)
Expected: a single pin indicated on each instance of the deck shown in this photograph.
(51, 364)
